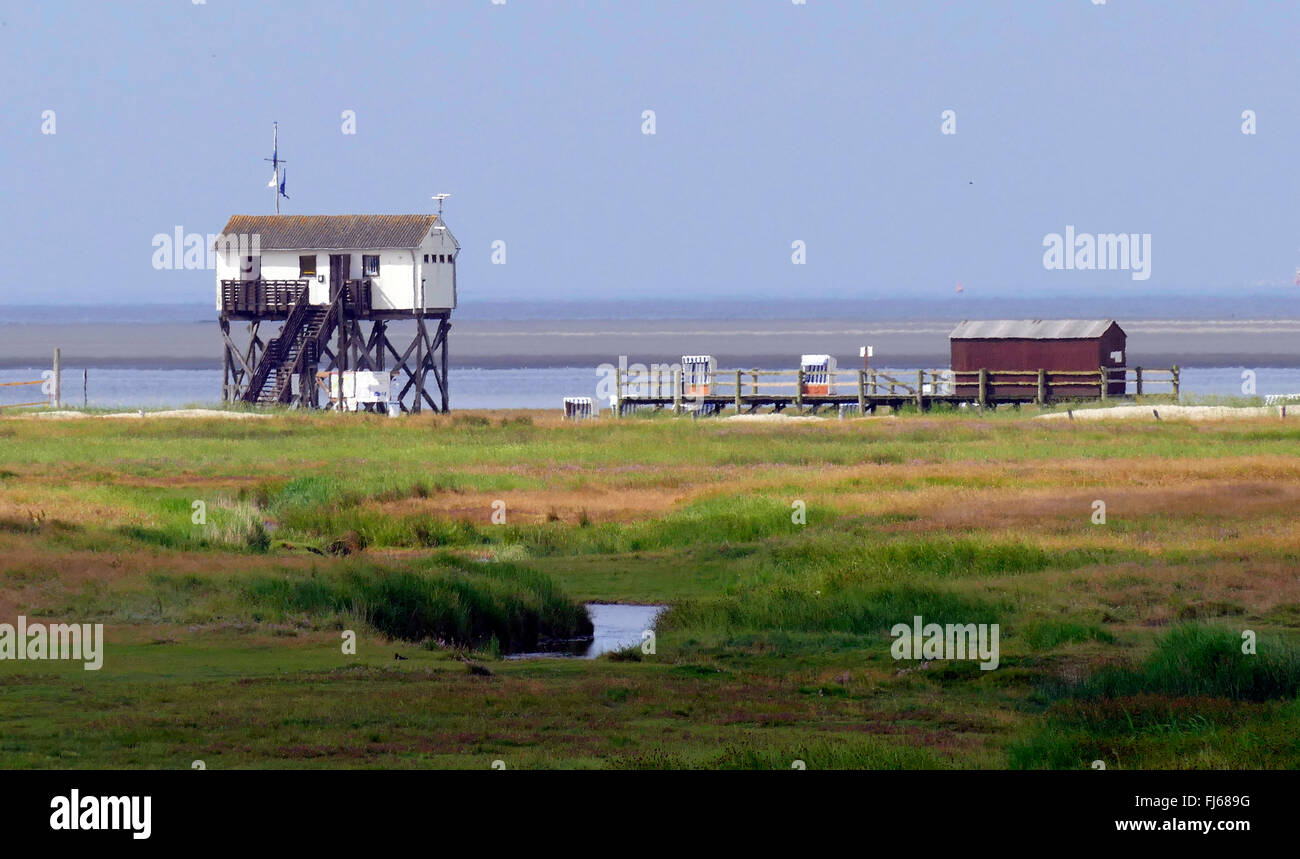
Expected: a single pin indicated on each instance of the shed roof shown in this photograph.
(1030, 329)
(342, 232)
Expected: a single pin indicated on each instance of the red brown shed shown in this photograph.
(1013, 351)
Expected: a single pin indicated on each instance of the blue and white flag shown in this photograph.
(283, 173)
(275, 156)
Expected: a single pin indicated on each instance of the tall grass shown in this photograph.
(1193, 660)
(851, 610)
(711, 520)
(471, 607)
(1196, 700)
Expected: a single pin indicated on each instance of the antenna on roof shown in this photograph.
(440, 198)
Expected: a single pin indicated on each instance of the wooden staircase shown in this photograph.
(297, 348)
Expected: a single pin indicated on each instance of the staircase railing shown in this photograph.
(309, 349)
(292, 350)
(278, 349)
(357, 299)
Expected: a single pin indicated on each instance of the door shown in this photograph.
(340, 264)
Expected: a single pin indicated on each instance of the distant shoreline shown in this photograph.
(760, 362)
(740, 343)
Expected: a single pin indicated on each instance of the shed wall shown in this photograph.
(1083, 355)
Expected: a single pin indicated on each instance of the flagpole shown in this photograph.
(277, 183)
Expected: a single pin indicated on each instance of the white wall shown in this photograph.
(402, 273)
(227, 269)
(438, 279)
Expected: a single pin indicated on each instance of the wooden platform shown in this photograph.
(283, 370)
(865, 391)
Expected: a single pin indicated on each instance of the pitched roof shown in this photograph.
(324, 232)
(1030, 329)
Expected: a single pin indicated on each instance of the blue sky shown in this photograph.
(775, 122)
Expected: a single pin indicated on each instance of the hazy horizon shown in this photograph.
(1147, 305)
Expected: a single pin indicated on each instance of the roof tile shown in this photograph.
(1030, 329)
(329, 232)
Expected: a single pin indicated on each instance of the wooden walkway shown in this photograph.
(864, 391)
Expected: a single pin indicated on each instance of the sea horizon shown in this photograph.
(1211, 331)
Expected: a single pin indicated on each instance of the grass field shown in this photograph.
(1120, 642)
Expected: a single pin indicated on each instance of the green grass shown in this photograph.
(1197, 700)
(1199, 661)
(850, 610)
(511, 608)
(225, 636)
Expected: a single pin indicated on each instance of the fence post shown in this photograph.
(738, 403)
(1102, 382)
(677, 392)
(616, 405)
(798, 392)
(1138, 376)
(1174, 371)
(85, 383)
(984, 387)
(920, 387)
(56, 383)
(225, 362)
(862, 393)
(1042, 386)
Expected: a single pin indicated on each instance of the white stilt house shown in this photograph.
(329, 278)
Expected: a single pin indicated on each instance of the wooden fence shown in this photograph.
(660, 386)
(22, 405)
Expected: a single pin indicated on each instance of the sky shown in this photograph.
(775, 123)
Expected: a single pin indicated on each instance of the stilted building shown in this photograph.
(351, 292)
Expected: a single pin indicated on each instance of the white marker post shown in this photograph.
(56, 381)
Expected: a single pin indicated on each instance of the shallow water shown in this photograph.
(543, 388)
(617, 626)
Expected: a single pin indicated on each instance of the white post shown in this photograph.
(56, 383)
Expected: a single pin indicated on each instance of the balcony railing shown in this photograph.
(261, 297)
(277, 297)
(356, 297)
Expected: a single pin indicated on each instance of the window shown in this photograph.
(307, 265)
(426, 257)
(370, 265)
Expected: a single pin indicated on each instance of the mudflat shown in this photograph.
(590, 342)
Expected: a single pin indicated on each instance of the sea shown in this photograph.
(489, 388)
(531, 355)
